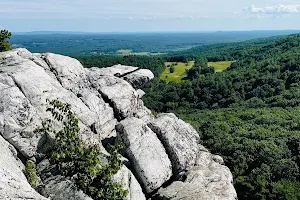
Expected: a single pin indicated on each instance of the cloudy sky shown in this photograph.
(148, 15)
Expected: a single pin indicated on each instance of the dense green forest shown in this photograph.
(249, 113)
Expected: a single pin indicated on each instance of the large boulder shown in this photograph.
(180, 139)
(13, 183)
(205, 181)
(139, 78)
(148, 157)
(122, 96)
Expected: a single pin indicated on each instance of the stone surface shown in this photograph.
(121, 95)
(129, 183)
(13, 183)
(179, 138)
(139, 78)
(206, 181)
(57, 187)
(116, 70)
(149, 160)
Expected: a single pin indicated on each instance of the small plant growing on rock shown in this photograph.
(30, 173)
(81, 164)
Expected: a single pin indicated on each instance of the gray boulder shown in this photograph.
(205, 181)
(180, 139)
(149, 160)
(122, 96)
(139, 78)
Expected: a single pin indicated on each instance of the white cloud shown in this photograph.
(276, 9)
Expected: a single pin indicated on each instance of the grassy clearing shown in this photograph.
(219, 66)
(179, 71)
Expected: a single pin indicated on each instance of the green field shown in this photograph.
(179, 71)
(219, 66)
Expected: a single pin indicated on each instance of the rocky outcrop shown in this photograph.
(165, 158)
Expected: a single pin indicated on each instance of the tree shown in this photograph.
(172, 69)
(4, 43)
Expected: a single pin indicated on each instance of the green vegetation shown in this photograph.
(4, 40)
(257, 146)
(219, 66)
(175, 71)
(248, 114)
(82, 164)
(30, 173)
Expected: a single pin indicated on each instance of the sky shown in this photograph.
(148, 15)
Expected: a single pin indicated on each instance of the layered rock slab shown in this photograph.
(147, 155)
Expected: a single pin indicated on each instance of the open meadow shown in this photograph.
(179, 71)
(219, 66)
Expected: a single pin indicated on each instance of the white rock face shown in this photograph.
(146, 153)
(179, 138)
(155, 147)
(13, 183)
(139, 78)
(129, 183)
(205, 181)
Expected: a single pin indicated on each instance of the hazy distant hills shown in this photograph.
(83, 43)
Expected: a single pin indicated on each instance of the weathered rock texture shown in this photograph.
(13, 183)
(165, 158)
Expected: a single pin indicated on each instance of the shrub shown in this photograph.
(30, 173)
(82, 164)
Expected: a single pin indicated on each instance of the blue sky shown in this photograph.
(148, 15)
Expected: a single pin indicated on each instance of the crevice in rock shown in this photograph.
(53, 70)
(159, 134)
(19, 154)
(112, 105)
(19, 87)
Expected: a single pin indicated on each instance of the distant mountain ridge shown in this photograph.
(85, 44)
